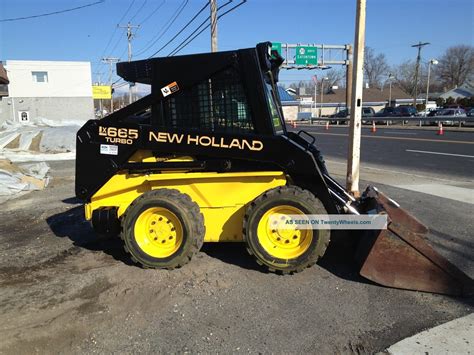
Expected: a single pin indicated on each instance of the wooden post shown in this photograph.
(353, 161)
(213, 25)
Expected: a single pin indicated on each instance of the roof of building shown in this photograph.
(284, 95)
(465, 90)
(368, 95)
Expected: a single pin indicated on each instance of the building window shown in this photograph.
(40, 76)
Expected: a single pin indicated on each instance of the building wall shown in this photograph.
(66, 95)
(65, 79)
(290, 112)
(58, 109)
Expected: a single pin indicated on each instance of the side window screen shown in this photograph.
(215, 104)
(273, 109)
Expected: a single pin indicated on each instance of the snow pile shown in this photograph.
(43, 140)
(16, 181)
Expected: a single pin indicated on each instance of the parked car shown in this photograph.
(399, 111)
(341, 114)
(470, 113)
(426, 112)
(405, 111)
(433, 113)
(304, 116)
(449, 112)
(385, 112)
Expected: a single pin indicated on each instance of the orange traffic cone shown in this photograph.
(440, 129)
(327, 125)
(374, 129)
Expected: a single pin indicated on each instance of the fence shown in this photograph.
(421, 121)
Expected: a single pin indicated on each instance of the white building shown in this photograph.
(47, 89)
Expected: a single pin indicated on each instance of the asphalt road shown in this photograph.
(451, 154)
(63, 290)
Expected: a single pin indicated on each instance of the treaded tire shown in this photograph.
(286, 195)
(189, 215)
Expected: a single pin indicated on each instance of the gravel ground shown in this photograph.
(64, 291)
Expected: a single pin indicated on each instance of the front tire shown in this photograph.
(282, 249)
(163, 229)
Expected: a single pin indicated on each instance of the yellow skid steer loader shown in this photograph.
(206, 157)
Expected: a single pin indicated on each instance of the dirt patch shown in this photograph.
(35, 142)
(62, 290)
(14, 144)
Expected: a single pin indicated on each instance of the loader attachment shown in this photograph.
(400, 256)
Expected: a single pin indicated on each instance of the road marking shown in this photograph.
(408, 133)
(397, 138)
(439, 153)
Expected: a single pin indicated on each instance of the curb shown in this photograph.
(454, 337)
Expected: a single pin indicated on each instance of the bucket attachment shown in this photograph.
(400, 257)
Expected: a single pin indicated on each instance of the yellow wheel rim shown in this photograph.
(158, 232)
(280, 240)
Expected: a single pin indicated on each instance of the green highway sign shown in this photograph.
(306, 55)
(276, 46)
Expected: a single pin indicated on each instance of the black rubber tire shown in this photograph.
(286, 195)
(188, 213)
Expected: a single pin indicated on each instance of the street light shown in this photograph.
(390, 78)
(431, 62)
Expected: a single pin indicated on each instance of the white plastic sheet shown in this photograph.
(15, 180)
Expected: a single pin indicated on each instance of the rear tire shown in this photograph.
(163, 229)
(284, 250)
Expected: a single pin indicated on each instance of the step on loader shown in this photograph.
(206, 157)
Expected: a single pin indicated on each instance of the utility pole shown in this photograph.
(213, 25)
(349, 77)
(130, 36)
(417, 68)
(315, 80)
(111, 61)
(99, 76)
(322, 95)
(353, 161)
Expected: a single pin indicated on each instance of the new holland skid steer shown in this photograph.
(206, 157)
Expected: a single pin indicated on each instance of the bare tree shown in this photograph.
(455, 66)
(375, 67)
(334, 78)
(404, 74)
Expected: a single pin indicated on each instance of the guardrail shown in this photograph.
(434, 120)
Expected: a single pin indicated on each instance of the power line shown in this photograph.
(130, 36)
(113, 34)
(178, 49)
(153, 12)
(197, 28)
(138, 11)
(52, 13)
(165, 27)
(180, 31)
(417, 68)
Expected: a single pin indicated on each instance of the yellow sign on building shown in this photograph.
(101, 92)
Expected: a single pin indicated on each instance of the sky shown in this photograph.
(91, 33)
